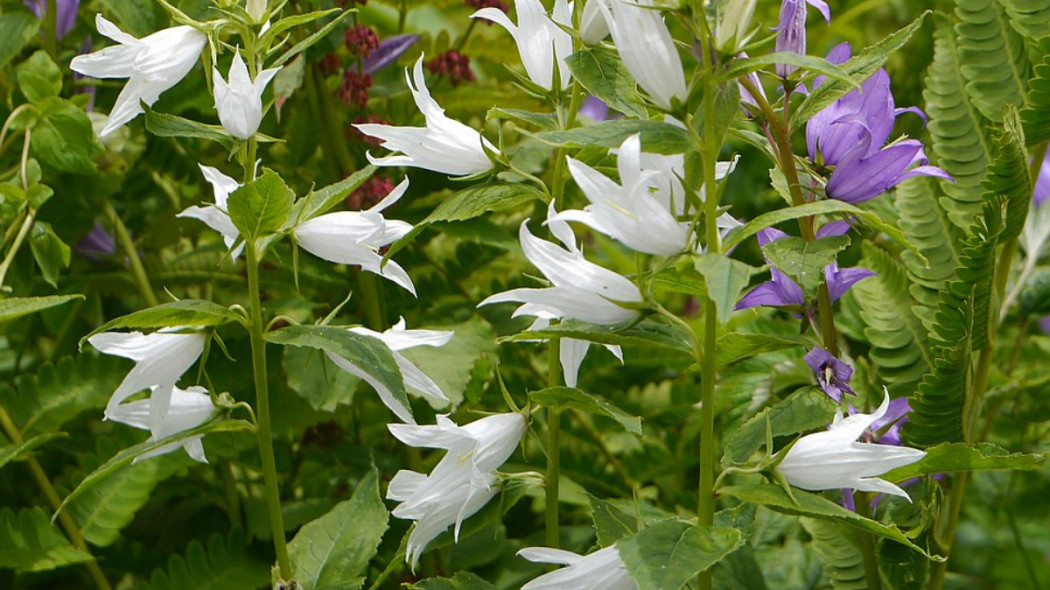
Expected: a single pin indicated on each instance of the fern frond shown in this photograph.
(993, 57)
(1036, 113)
(223, 565)
(839, 550)
(57, 393)
(28, 542)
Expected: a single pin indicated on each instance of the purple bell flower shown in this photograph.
(832, 373)
(781, 290)
(848, 136)
(67, 13)
(388, 51)
(1042, 184)
(791, 31)
(97, 245)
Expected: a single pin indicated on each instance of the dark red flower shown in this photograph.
(354, 91)
(453, 64)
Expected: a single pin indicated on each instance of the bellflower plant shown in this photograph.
(152, 65)
(646, 48)
(215, 216)
(601, 570)
(239, 100)
(189, 409)
(791, 31)
(593, 27)
(541, 42)
(832, 373)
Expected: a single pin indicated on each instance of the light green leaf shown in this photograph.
(165, 125)
(43, 402)
(332, 552)
(28, 542)
(16, 307)
(317, 380)
(603, 75)
(49, 251)
(648, 332)
(451, 366)
(816, 65)
(725, 278)
(307, 42)
(667, 555)
(545, 121)
(39, 77)
(191, 313)
(735, 346)
(581, 401)
(949, 457)
(805, 261)
(461, 581)
(807, 409)
(657, 137)
(610, 523)
(319, 201)
(260, 207)
(63, 137)
(17, 29)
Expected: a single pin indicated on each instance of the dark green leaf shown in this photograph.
(260, 207)
(807, 409)
(28, 542)
(603, 75)
(545, 121)
(63, 137)
(645, 333)
(667, 555)
(461, 581)
(16, 452)
(49, 251)
(309, 41)
(223, 565)
(736, 346)
(195, 313)
(39, 77)
(949, 457)
(165, 125)
(657, 138)
(817, 65)
(319, 382)
(17, 29)
(319, 201)
(610, 523)
(575, 399)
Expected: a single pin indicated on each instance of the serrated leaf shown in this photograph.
(737, 346)
(260, 207)
(63, 137)
(667, 555)
(648, 332)
(58, 392)
(461, 581)
(191, 313)
(807, 409)
(222, 565)
(603, 75)
(319, 201)
(950, 457)
(992, 57)
(805, 261)
(332, 552)
(167, 125)
(575, 399)
(28, 542)
(610, 523)
(16, 307)
(319, 382)
(657, 137)
(839, 549)
(812, 64)
(724, 280)
(1036, 113)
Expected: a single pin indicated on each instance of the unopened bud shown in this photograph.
(256, 9)
(732, 31)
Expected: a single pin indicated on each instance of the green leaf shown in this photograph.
(137, 18)
(992, 57)
(190, 313)
(274, 32)
(603, 75)
(63, 137)
(332, 552)
(657, 137)
(1008, 175)
(610, 523)
(17, 29)
(16, 452)
(28, 542)
(317, 380)
(165, 125)
(724, 279)
(49, 251)
(223, 565)
(461, 581)
(451, 366)
(58, 392)
(262, 206)
(646, 333)
(319, 201)
(1036, 113)
(16, 307)
(368, 354)
(545, 121)
(860, 67)
(581, 401)
(667, 555)
(39, 77)
(805, 261)
(839, 549)
(812, 505)
(739, 68)
(309, 41)
(950, 457)
(807, 409)
(737, 346)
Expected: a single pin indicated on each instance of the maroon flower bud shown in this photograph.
(453, 64)
(479, 4)
(360, 41)
(354, 91)
(330, 64)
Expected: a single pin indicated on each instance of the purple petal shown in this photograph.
(835, 228)
(388, 51)
(860, 179)
(840, 280)
(822, 7)
(595, 109)
(769, 234)
(1042, 184)
(913, 110)
(67, 14)
(791, 33)
(97, 245)
(768, 293)
(832, 373)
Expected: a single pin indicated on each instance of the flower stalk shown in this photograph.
(138, 272)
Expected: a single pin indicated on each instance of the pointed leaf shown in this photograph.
(724, 278)
(581, 401)
(260, 207)
(16, 307)
(667, 555)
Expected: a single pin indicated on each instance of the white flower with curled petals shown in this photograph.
(188, 409)
(239, 99)
(461, 483)
(160, 358)
(580, 289)
(152, 65)
(601, 570)
(833, 459)
(646, 48)
(397, 339)
(443, 145)
(215, 216)
(355, 237)
(540, 41)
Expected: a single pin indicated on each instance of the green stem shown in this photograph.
(51, 29)
(137, 270)
(262, 409)
(554, 378)
(65, 520)
(862, 501)
(23, 231)
(368, 285)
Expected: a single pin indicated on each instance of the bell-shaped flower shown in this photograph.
(580, 289)
(601, 570)
(152, 65)
(646, 48)
(356, 237)
(239, 99)
(832, 373)
(540, 41)
(833, 459)
(188, 409)
(215, 216)
(571, 352)
(67, 14)
(461, 483)
(849, 134)
(593, 27)
(443, 145)
(791, 31)
(732, 30)
(417, 382)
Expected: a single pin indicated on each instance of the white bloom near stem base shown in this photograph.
(834, 459)
(239, 100)
(355, 237)
(540, 41)
(151, 64)
(215, 216)
(461, 483)
(580, 289)
(397, 339)
(601, 570)
(189, 408)
(646, 48)
(572, 351)
(443, 145)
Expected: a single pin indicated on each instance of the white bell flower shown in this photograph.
(593, 28)
(540, 41)
(461, 483)
(833, 459)
(646, 48)
(189, 408)
(239, 100)
(580, 289)
(355, 237)
(443, 145)
(571, 352)
(397, 339)
(152, 65)
(215, 216)
(601, 570)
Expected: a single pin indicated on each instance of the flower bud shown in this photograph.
(732, 31)
(256, 9)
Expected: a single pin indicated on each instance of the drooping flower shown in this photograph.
(834, 459)
(215, 216)
(160, 358)
(152, 65)
(443, 145)
(97, 245)
(571, 353)
(461, 483)
(593, 27)
(579, 288)
(356, 237)
(849, 134)
(66, 10)
(646, 48)
(239, 100)
(399, 338)
(540, 41)
(601, 570)
(791, 31)
(781, 290)
(832, 374)
(189, 409)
